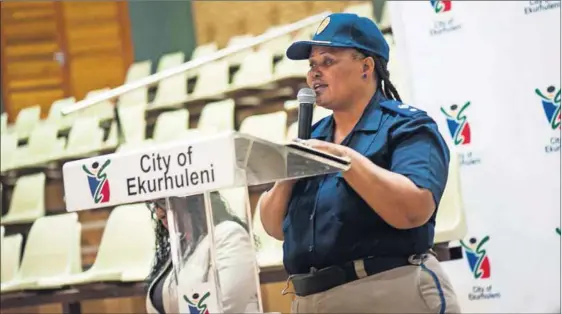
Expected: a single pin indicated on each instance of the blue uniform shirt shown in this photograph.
(328, 223)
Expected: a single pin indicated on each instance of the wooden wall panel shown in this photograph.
(119, 305)
(252, 17)
(43, 309)
(98, 44)
(30, 44)
(55, 49)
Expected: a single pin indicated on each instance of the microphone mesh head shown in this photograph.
(306, 96)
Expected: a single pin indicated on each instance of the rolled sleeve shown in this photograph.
(419, 152)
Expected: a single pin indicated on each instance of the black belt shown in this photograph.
(330, 277)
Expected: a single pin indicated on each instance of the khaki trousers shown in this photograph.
(410, 289)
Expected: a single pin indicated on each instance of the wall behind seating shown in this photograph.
(220, 20)
(160, 27)
(55, 49)
(378, 8)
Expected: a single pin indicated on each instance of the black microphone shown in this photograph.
(306, 98)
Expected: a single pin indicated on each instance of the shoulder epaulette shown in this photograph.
(401, 108)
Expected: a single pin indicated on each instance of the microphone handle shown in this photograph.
(305, 121)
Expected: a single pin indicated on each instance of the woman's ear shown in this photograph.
(369, 65)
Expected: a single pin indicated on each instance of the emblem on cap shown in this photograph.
(323, 25)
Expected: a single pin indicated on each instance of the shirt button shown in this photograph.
(311, 216)
(310, 248)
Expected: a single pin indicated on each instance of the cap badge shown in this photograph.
(323, 25)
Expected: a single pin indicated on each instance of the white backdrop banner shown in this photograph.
(489, 73)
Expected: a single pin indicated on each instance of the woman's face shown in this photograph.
(161, 216)
(334, 75)
(184, 217)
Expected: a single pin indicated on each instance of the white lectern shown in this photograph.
(185, 177)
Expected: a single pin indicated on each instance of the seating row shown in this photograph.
(52, 256)
(27, 203)
(87, 138)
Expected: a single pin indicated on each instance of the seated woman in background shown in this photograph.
(235, 256)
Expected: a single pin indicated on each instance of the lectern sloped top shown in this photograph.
(188, 167)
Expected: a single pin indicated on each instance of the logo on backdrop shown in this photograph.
(478, 260)
(197, 305)
(540, 6)
(459, 129)
(97, 181)
(457, 123)
(480, 267)
(441, 6)
(550, 100)
(443, 21)
(558, 230)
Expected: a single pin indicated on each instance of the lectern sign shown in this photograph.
(170, 171)
(178, 168)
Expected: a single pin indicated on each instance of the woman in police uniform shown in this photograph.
(360, 241)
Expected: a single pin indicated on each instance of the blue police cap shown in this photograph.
(343, 30)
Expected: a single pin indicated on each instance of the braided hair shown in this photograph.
(162, 254)
(382, 74)
(383, 79)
